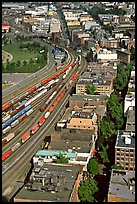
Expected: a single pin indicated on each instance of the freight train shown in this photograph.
(8, 105)
(35, 128)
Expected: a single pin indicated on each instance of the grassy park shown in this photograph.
(25, 60)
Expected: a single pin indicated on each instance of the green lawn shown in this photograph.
(18, 54)
(22, 55)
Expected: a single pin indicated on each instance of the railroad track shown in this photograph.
(28, 149)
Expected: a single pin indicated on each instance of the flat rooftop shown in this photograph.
(119, 184)
(120, 142)
(74, 145)
(76, 97)
(130, 124)
(68, 172)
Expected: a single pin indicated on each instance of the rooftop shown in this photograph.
(76, 97)
(130, 124)
(66, 175)
(55, 153)
(125, 139)
(73, 145)
(122, 184)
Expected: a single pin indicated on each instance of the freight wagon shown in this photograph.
(8, 122)
(9, 137)
(34, 128)
(16, 146)
(6, 155)
(25, 137)
(7, 129)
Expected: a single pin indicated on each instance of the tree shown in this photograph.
(62, 159)
(93, 167)
(106, 129)
(24, 62)
(18, 63)
(103, 154)
(116, 166)
(87, 189)
(90, 89)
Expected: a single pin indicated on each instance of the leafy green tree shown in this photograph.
(106, 129)
(18, 63)
(93, 167)
(62, 159)
(116, 166)
(103, 154)
(90, 89)
(24, 62)
(87, 189)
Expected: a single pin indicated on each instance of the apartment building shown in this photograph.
(125, 150)
(104, 55)
(83, 121)
(103, 84)
(121, 186)
(87, 100)
(110, 43)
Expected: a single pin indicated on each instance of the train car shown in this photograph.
(5, 106)
(55, 103)
(6, 155)
(20, 107)
(8, 122)
(16, 146)
(25, 137)
(7, 129)
(9, 137)
(34, 128)
(22, 117)
(41, 120)
(51, 109)
(29, 112)
(4, 142)
(58, 99)
(5, 118)
(35, 97)
(32, 89)
(44, 82)
(16, 122)
(47, 114)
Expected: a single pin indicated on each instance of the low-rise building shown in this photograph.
(129, 102)
(124, 55)
(104, 55)
(130, 122)
(122, 186)
(125, 150)
(109, 43)
(51, 183)
(87, 100)
(103, 84)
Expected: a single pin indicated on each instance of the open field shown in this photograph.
(18, 54)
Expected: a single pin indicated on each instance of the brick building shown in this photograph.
(125, 150)
(124, 55)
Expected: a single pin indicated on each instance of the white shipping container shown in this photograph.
(5, 118)
(16, 122)
(47, 115)
(6, 129)
(29, 112)
(9, 136)
(16, 146)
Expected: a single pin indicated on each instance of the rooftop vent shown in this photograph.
(127, 140)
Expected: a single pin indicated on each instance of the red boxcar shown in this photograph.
(5, 106)
(31, 89)
(25, 137)
(34, 128)
(7, 154)
(44, 81)
(41, 120)
(51, 109)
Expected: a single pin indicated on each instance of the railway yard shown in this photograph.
(31, 115)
